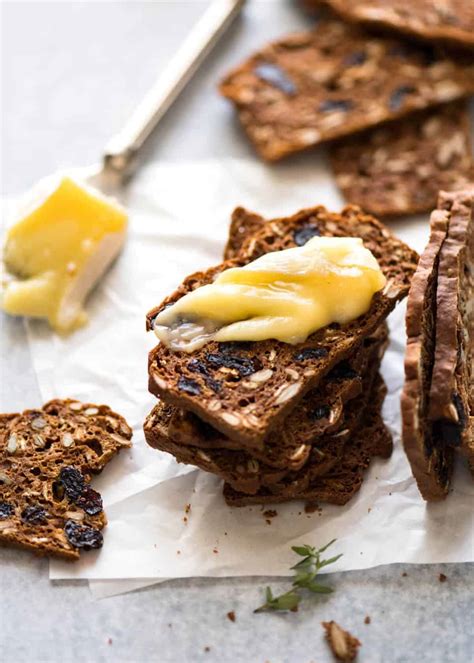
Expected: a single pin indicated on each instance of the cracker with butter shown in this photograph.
(273, 438)
(47, 459)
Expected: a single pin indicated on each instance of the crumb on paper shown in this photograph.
(442, 577)
(206, 649)
(312, 507)
(270, 513)
(231, 616)
(178, 552)
(109, 641)
(404, 574)
(343, 645)
(187, 508)
(215, 551)
(367, 619)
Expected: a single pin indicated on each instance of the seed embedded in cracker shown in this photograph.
(46, 502)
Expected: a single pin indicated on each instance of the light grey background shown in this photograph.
(71, 73)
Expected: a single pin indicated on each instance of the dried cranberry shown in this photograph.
(310, 353)
(6, 510)
(273, 74)
(343, 371)
(330, 105)
(83, 536)
(355, 59)
(303, 235)
(90, 500)
(34, 515)
(243, 365)
(397, 97)
(189, 386)
(321, 412)
(72, 480)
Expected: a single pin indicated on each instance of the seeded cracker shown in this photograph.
(451, 405)
(450, 21)
(320, 412)
(47, 457)
(219, 394)
(335, 80)
(244, 473)
(370, 438)
(399, 168)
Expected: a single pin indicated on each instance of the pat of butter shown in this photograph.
(285, 295)
(64, 240)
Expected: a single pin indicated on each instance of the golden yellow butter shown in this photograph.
(60, 246)
(285, 295)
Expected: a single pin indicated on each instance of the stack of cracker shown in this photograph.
(277, 421)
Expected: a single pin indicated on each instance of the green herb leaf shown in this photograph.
(287, 601)
(306, 571)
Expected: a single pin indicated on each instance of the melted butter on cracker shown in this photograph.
(285, 295)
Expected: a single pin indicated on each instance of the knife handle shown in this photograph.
(120, 155)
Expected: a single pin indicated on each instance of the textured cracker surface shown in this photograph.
(335, 80)
(433, 20)
(399, 168)
(344, 481)
(34, 447)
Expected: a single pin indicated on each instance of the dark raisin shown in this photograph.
(34, 515)
(189, 386)
(321, 412)
(273, 74)
(355, 59)
(397, 97)
(243, 365)
(330, 105)
(310, 353)
(6, 510)
(342, 371)
(90, 500)
(82, 536)
(72, 480)
(199, 367)
(303, 235)
(447, 432)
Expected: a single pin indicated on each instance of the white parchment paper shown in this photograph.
(179, 220)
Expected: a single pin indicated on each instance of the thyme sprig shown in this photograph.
(306, 571)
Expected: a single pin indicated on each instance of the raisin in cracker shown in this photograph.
(47, 458)
(335, 80)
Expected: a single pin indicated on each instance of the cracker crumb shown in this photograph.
(206, 649)
(442, 577)
(312, 507)
(109, 641)
(178, 552)
(187, 508)
(367, 619)
(343, 645)
(404, 574)
(270, 513)
(231, 616)
(215, 551)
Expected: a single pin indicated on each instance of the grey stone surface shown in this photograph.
(72, 71)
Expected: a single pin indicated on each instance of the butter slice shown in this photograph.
(61, 245)
(285, 295)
